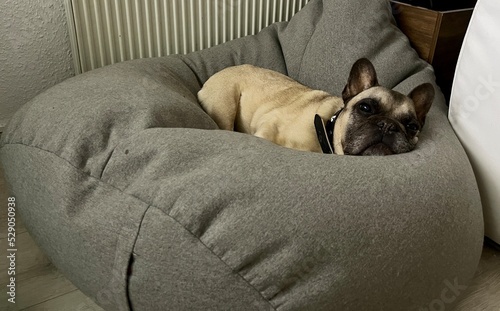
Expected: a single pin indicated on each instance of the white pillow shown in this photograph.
(475, 106)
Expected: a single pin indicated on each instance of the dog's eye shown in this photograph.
(412, 127)
(366, 108)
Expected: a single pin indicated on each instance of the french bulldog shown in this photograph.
(368, 119)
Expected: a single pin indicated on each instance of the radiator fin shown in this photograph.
(110, 31)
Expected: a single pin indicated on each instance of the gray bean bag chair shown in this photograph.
(133, 193)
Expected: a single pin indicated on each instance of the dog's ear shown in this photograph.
(362, 77)
(422, 96)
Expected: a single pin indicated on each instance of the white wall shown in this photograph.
(34, 51)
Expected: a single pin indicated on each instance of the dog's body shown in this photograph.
(267, 104)
(273, 106)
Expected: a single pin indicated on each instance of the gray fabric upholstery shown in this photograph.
(128, 187)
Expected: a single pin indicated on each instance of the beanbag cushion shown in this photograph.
(133, 193)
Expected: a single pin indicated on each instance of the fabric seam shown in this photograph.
(131, 259)
(217, 256)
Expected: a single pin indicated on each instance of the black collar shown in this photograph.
(325, 132)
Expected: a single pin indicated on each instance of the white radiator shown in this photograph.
(104, 32)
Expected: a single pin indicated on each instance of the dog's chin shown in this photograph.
(379, 149)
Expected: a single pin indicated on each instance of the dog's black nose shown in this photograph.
(387, 126)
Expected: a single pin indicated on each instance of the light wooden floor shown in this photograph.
(41, 287)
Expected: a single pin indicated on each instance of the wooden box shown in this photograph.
(437, 36)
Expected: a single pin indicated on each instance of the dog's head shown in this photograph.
(377, 120)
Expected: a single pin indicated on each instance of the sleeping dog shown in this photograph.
(368, 119)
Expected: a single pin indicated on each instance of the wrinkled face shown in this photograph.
(378, 121)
